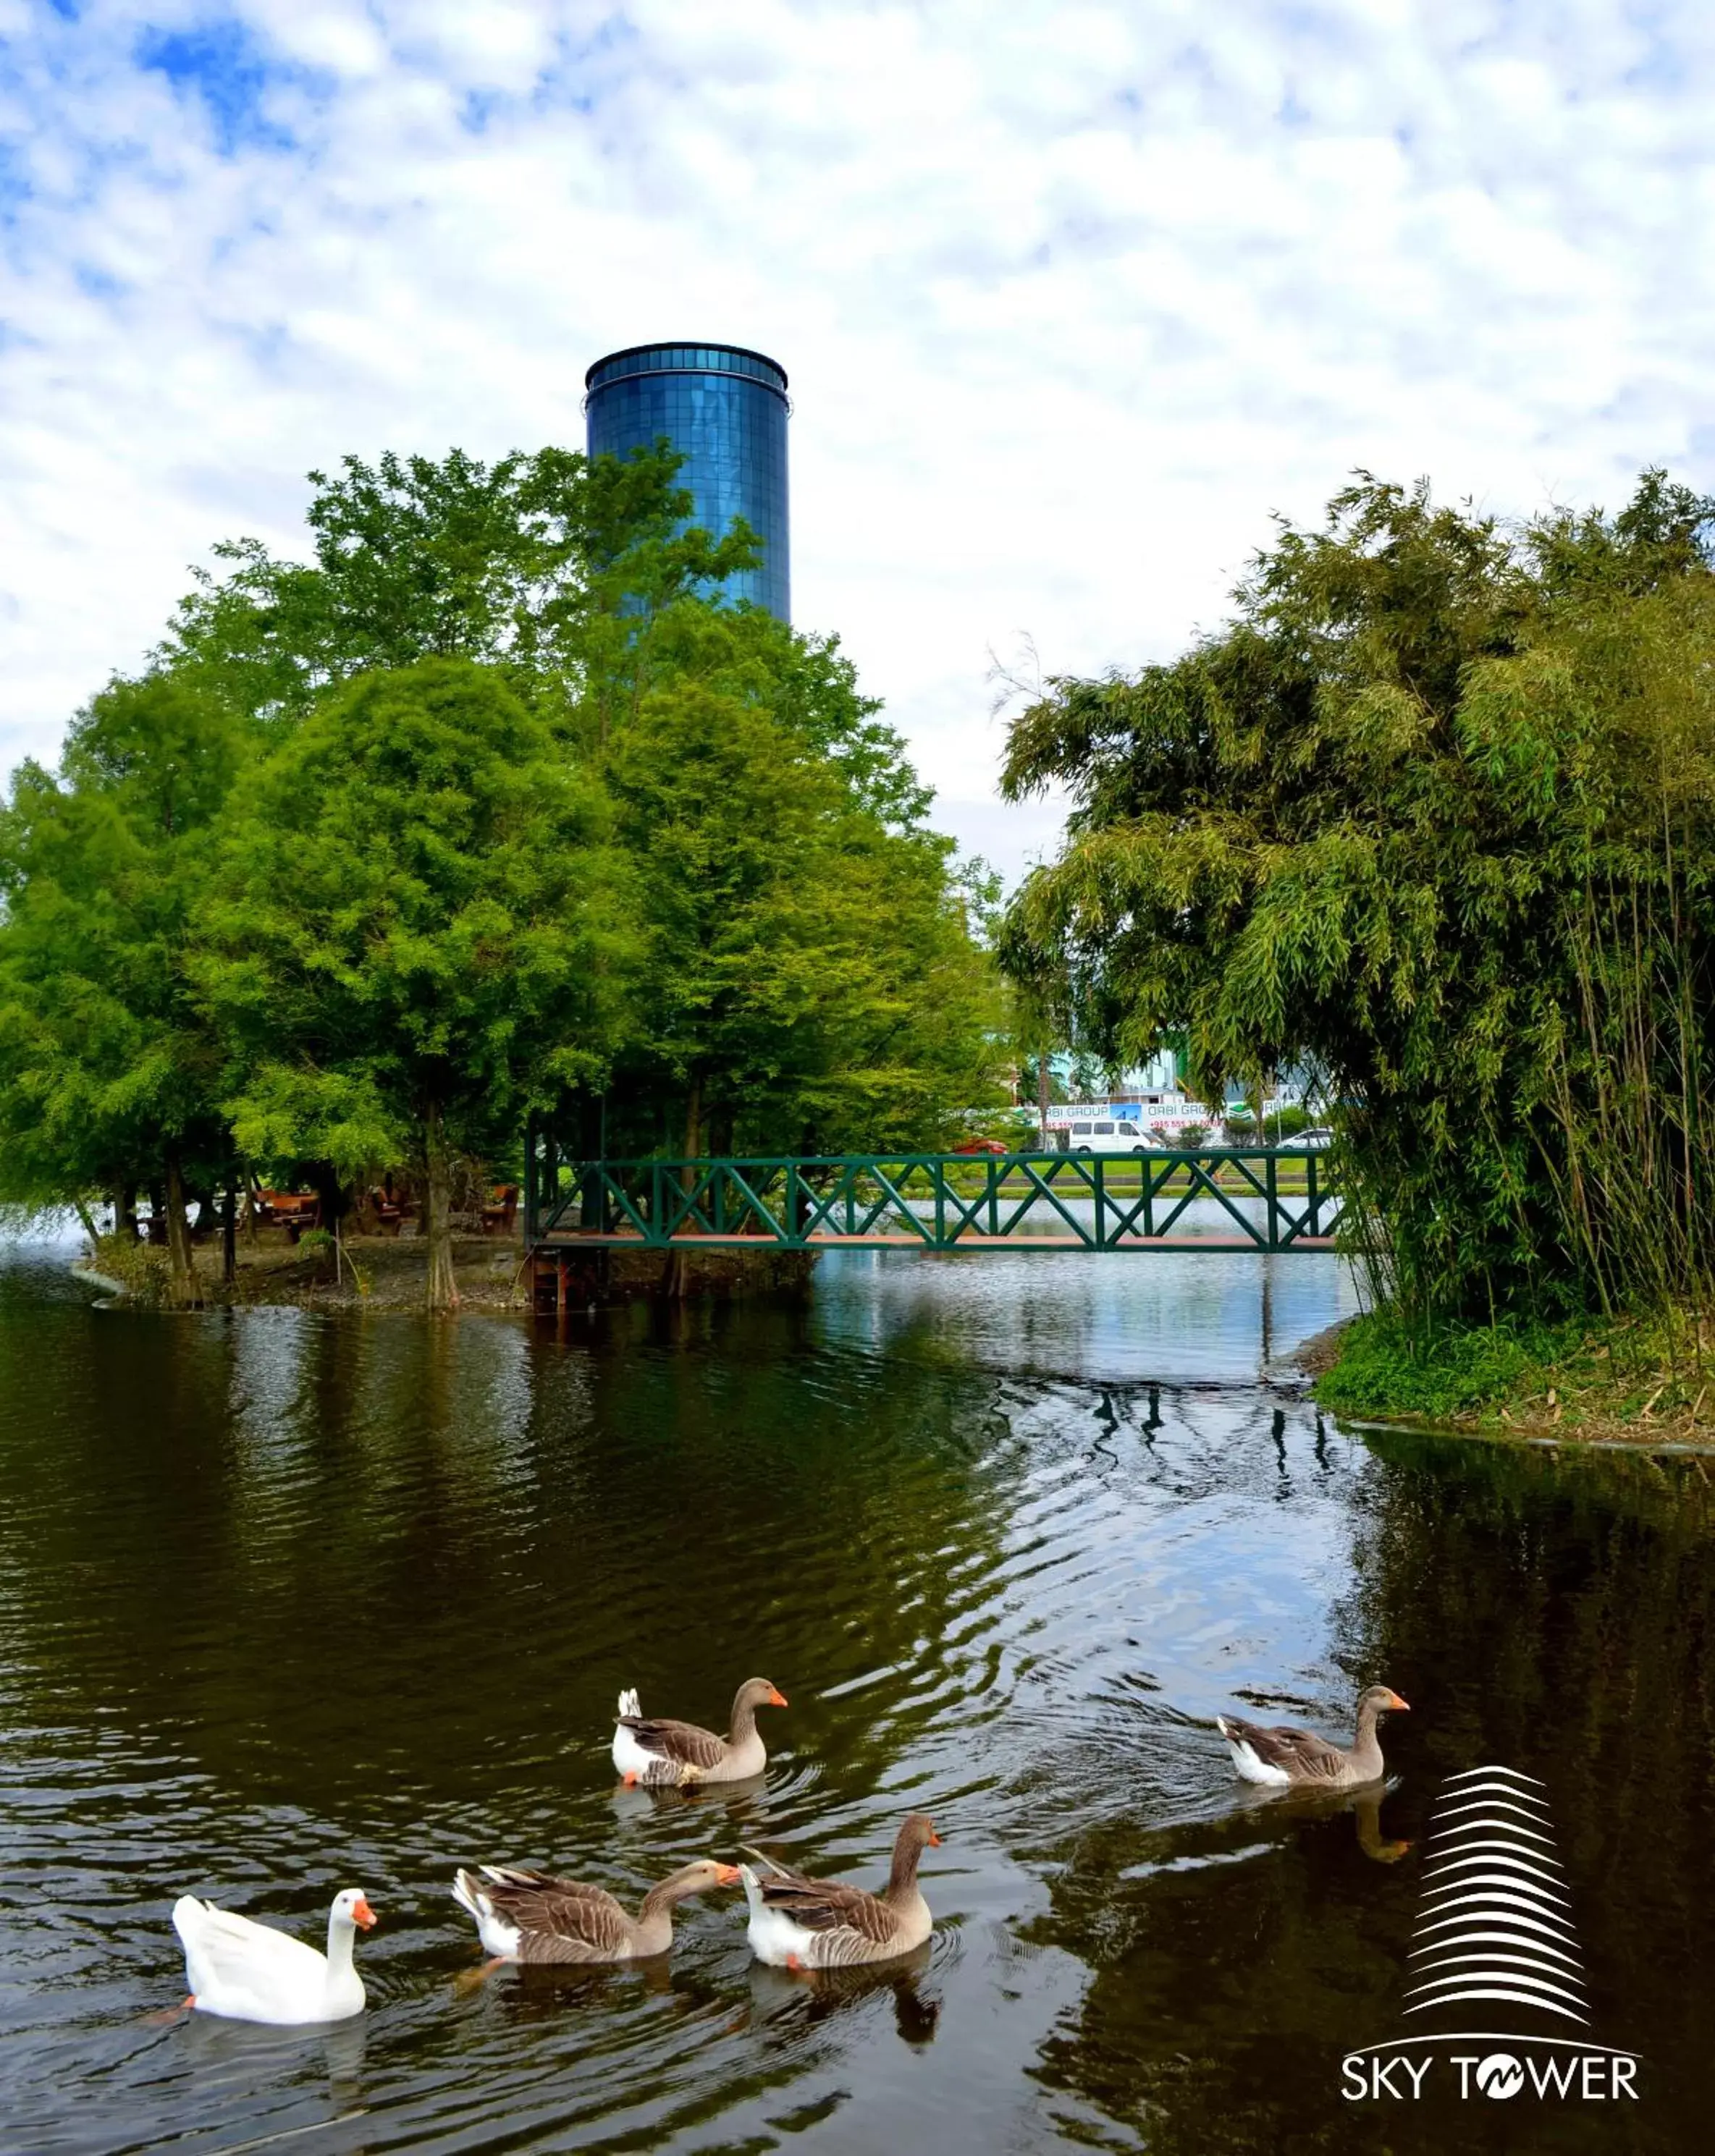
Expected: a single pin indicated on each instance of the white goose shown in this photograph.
(249, 1972)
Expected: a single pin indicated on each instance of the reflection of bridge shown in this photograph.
(1245, 1197)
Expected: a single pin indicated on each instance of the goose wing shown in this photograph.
(555, 1919)
(824, 1905)
(225, 1951)
(1299, 1753)
(675, 1743)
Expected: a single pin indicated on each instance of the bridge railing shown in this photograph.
(1260, 1197)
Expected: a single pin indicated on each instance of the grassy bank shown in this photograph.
(1626, 1378)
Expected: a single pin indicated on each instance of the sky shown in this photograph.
(1075, 298)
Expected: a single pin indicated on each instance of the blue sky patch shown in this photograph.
(221, 66)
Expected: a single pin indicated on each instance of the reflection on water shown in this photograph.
(287, 1603)
(1127, 1317)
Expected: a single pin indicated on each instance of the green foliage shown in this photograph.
(1566, 1375)
(1436, 813)
(804, 685)
(487, 807)
(110, 1074)
(1439, 1373)
(514, 563)
(416, 933)
(810, 979)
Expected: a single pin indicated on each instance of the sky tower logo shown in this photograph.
(1496, 1985)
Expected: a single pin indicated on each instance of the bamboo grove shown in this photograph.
(1432, 814)
(490, 805)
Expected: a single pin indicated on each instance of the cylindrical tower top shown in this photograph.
(724, 409)
(687, 359)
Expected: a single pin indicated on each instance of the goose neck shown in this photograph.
(902, 1876)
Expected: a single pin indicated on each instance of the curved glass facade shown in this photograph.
(724, 409)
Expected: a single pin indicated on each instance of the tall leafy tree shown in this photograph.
(812, 982)
(544, 563)
(110, 1074)
(1435, 811)
(417, 934)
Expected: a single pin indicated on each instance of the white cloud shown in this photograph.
(1072, 296)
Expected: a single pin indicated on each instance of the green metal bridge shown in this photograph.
(1270, 1199)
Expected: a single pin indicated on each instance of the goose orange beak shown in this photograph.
(1401, 1705)
(776, 1698)
(934, 1838)
(726, 1875)
(361, 1914)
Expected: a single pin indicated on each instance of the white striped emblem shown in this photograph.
(1496, 1919)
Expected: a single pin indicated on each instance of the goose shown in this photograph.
(797, 1922)
(249, 1972)
(1282, 1757)
(678, 1752)
(527, 1917)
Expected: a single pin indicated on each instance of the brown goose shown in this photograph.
(797, 1922)
(1283, 1757)
(659, 1752)
(527, 1917)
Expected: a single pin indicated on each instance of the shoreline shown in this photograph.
(1593, 1383)
(387, 1273)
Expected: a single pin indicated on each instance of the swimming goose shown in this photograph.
(525, 1917)
(677, 1753)
(249, 1972)
(1282, 1757)
(797, 1922)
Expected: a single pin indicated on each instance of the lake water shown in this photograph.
(290, 1602)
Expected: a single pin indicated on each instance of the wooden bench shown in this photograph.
(501, 1213)
(390, 1211)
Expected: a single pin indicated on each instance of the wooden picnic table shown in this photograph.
(293, 1210)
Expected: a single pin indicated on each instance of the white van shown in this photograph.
(1123, 1126)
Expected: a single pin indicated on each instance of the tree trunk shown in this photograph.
(178, 1233)
(85, 1216)
(229, 1231)
(125, 1211)
(437, 1210)
(329, 1192)
(1043, 1076)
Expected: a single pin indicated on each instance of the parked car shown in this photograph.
(982, 1145)
(1312, 1140)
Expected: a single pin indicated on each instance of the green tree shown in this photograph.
(417, 935)
(805, 684)
(546, 564)
(812, 983)
(1433, 813)
(109, 1076)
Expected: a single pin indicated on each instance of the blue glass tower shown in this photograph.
(724, 410)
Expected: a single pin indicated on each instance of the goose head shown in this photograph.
(350, 1907)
